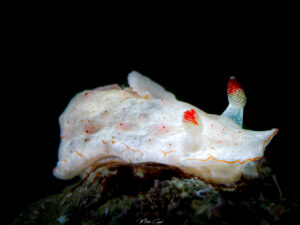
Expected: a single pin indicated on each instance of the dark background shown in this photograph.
(47, 64)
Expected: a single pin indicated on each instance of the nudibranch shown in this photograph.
(146, 123)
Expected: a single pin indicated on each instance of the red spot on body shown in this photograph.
(86, 93)
(90, 127)
(233, 86)
(62, 137)
(164, 127)
(191, 116)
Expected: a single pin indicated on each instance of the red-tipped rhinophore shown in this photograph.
(235, 93)
(233, 86)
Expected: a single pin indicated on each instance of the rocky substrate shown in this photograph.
(153, 193)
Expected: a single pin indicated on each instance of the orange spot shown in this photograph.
(235, 143)
(113, 142)
(239, 132)
(149, 139)
(103, 142)
(78, 153)
(166, 153)
(211, 125)
(130, 149)
(146, 96)
(65, 160)
(191, 116)
(121, 124)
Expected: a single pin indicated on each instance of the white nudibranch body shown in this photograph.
(146, 123)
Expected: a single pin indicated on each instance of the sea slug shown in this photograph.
(146, 123)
